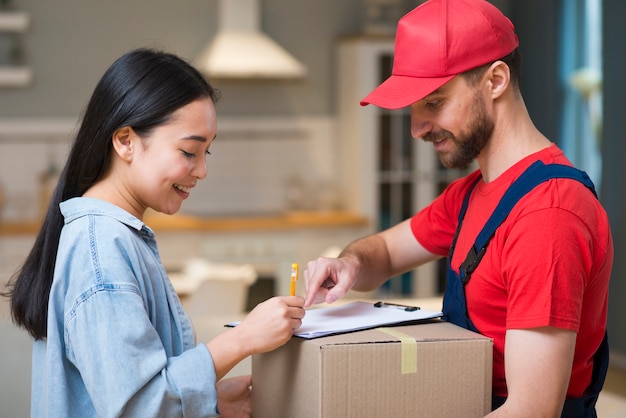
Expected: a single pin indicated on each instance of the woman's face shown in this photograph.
(168, 163)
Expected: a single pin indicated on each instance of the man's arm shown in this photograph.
(365, 264)
(538, 365)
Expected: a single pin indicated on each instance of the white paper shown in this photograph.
(355, 316)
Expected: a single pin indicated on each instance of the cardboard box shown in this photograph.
(433, 370)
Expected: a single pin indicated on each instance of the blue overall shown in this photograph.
(454, 303)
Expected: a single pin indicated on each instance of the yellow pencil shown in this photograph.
(294, 279)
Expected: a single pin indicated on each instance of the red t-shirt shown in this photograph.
(548, 264)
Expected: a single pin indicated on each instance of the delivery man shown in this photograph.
(529, 245)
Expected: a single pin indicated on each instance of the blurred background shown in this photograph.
(299, 169)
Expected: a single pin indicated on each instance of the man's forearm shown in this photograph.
(372, 258)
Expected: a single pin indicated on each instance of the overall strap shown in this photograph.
(462, 216)
(534, 175)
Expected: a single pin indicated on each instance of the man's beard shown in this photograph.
(468, 146)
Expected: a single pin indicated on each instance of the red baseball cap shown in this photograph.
(438, 40)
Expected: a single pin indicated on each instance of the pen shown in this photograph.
(294, 279)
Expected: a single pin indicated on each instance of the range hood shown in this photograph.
(240, 50)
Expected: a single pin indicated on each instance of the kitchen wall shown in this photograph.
(272, 134)
(269, 165)
(613, 187)
(285, 129)
(257, 166)
(71, 42)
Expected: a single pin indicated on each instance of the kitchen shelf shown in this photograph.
(14, 21)
(15, 76)
(189, 223)
(11, 76)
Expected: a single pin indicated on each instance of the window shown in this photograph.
(581, 75)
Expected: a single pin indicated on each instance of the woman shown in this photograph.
(111, 337)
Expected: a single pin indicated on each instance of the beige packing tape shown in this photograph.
(408, 350)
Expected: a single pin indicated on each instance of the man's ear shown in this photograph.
(500, 78)
(123, 142)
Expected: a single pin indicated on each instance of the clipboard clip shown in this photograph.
(408, 308)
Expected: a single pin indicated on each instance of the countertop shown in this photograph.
(183, 222)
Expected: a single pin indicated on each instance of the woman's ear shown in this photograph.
(500, 78)
(123, 142)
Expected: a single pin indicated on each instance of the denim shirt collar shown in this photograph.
(77, 207)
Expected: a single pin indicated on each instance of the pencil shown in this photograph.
(294, 279)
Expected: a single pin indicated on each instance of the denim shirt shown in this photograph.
(119, 342)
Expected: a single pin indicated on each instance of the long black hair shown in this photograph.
(141, 89)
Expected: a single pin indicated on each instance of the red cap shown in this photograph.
(438, 40)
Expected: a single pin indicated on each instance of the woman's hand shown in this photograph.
(233, 397)
(268, 326)
(272, 323)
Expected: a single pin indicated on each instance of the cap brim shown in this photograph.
(400, 91)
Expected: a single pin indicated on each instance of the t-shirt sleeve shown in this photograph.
(547, 263)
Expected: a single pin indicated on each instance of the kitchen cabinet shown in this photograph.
(11, 25)
(387, 174)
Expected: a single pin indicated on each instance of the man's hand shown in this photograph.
(329, 279)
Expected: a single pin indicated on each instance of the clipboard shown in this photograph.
(358, 316)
